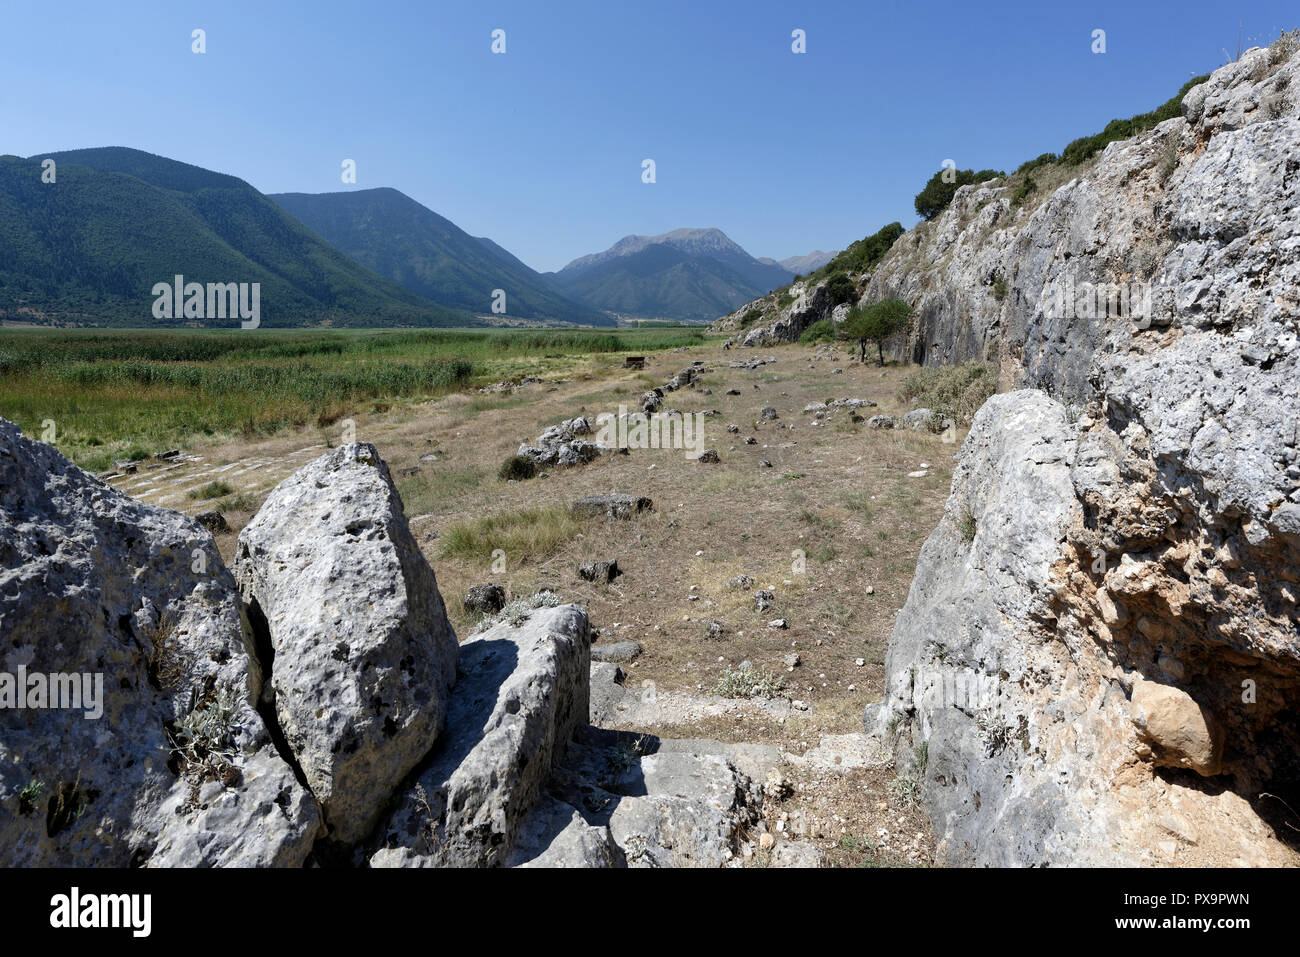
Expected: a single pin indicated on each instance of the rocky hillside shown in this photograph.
(1098, 660)
(826, 293)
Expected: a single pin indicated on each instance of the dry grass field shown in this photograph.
(832, 528)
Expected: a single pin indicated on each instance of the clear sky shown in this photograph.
(540, 148)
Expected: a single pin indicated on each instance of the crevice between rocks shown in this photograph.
(264, 654)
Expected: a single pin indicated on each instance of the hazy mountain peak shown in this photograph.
(691, 273)
(708, 240)
(801, 265)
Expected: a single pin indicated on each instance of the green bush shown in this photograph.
(936, 196)
(841, 289)
(210, 491)
(861, 256)
(953, 391)
(1023, 190)
(1037, 161)
(823, 330)
(518, 467)
(1086, 147)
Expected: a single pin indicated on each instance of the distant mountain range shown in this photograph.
(684, 274)
(802, 265)
(429, 255)
(90, 246)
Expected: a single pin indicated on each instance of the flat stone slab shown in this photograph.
(520, 696)
(612, 505)
(620, 652)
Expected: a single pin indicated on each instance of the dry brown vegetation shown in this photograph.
(838, 494)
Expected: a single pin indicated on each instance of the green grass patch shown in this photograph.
(434, 485)
(967, 525)
(210, 491)
(124, 393)
(526, 535)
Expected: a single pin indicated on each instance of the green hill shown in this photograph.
(427, 254)
(88, 248)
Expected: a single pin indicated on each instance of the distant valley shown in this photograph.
(393, 235)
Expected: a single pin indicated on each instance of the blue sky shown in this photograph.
(541, 148)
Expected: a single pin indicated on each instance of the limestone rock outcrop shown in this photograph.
(1116, 577)
(143, 746)
(348, 616)
(315, 721)
(773, 319)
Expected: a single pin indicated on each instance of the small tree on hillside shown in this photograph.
(841, 289)
(875, 323)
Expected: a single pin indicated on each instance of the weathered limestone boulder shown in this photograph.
(620, 652)
(343, 645)
(662, 803)
(921, 420)
(352, 629)
(563, 445)
(560, 446)
(1037, 688)
(681, 380)
(601, 572)
(1182, 732)
(612, 505)
(213, 521)
(158, 756)
(520, 779)
(520, 696)
(555, 834)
